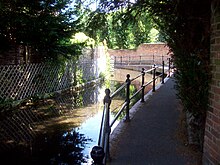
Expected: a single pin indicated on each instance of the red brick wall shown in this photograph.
(142, 50)
(211, 154)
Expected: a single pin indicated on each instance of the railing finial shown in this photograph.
(97, 155)
(107, 98)
(128, 77)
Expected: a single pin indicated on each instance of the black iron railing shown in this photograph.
(100, 153)
(138, 60)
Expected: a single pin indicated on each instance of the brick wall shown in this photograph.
(211, 154)
(149, 50)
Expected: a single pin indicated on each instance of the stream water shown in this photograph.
(60, 130)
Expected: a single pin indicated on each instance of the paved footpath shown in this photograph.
(149, 138)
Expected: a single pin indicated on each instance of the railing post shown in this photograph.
(100, 153)
(121, 60)
(142, 85)
(128, 97)
(154, 78)
(107, 100)
(169, 67)
(163, 73)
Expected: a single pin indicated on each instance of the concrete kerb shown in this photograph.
(118, 130)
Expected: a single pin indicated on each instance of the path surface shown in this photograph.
(149, 138)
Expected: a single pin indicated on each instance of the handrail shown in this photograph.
(137, 77)
(118, 90)
(100, 153)
(141, 59)
(118, 114)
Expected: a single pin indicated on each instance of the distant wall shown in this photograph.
(211, 154)
(159, 49)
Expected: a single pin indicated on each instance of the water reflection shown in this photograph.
(50, 131)
(60, 148)
(59, 130)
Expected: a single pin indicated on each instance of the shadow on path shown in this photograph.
(150, 138)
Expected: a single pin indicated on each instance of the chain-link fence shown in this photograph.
(21, 81)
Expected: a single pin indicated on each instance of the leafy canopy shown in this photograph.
(45, 26)
(120, 27)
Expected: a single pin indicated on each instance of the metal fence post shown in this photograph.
(154, 78)
(107, 100)
(100, 154)
(142, 85)
(128, 96)
(169, 67)
(163, 73)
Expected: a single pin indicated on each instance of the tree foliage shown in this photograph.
(119, 31)
(45, 26)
